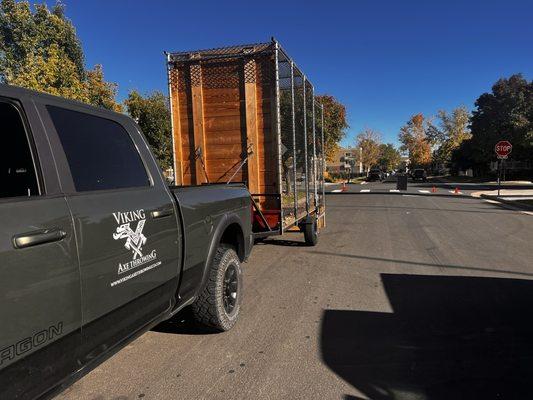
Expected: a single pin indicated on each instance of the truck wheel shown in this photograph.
(311, 232)
(219, 303)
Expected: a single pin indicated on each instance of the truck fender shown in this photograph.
(225, 222)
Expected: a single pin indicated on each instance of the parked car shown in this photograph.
(375, 175)
(96, 248)
(419, 174)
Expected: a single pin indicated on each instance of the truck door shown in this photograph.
(40, 309)
(125, 222)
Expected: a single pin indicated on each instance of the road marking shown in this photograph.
(492, 201)
(453, 191)
(365, 190)
(394, 190)
(423, 191)
(336, 191)
(527, 212)
(363, 183)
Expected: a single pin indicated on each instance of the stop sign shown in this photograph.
(503, 148)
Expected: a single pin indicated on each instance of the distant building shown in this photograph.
(345, 161)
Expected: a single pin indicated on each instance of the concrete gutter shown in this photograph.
(502, 200)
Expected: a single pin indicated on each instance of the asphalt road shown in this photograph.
(405, 297)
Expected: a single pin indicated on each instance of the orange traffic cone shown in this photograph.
(433, 189)
(456, 191)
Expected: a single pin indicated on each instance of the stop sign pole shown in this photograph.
(502, 149)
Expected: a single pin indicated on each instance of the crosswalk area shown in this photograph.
(422, 191)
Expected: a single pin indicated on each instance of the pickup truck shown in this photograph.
(96, 249)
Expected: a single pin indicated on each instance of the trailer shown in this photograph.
(248, 114)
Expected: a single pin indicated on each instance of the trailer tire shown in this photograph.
(218, 304)
(311, 232)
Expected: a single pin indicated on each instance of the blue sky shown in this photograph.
(385, 60)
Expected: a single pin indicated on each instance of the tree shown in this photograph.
(152, 113)
(504, 114)
(389, 157)
(99, 92)
(414, 139)
(369, 142)
(335, 123)
(453, 131)
(40, 50)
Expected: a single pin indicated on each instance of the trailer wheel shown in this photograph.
(219, 303)
(310, 229)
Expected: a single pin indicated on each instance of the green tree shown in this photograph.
(40, 50)
(454, 129)
(335, 123)
(389, 157)
(368, 141)
(504, 114)
(415, 140)
(152, 113)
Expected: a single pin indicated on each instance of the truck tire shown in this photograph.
(218, 304)
(311, 232)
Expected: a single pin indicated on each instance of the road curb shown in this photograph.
(463, 196)
(513, 203)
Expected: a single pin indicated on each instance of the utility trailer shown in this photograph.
(248, 114)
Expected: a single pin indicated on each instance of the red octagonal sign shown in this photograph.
(503, 148)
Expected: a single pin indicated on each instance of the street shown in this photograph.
(404, 297)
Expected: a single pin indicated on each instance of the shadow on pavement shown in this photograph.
(448, 337)
(182, 323)
(283, 242)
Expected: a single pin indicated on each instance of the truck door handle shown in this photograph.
(41, 236)
(162, 213)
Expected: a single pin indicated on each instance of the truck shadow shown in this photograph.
(284, 242)
(182, 323)
(448, 337)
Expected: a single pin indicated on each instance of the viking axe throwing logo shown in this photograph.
(135, 239)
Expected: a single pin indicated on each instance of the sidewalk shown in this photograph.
(477, 181)
(518, 198)
(504, 193)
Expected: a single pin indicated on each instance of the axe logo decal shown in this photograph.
(130, 225)
(135, 239)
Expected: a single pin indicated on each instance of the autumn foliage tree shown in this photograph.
(369, 142)
(414, 139)
(40, 50)
(99, 92)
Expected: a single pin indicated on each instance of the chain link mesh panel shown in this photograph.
(320, 159)
(287, 140)
(222, 52)
(300, 145)
(309, 102)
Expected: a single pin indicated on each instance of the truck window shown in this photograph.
(17, 170)
(99, 151)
